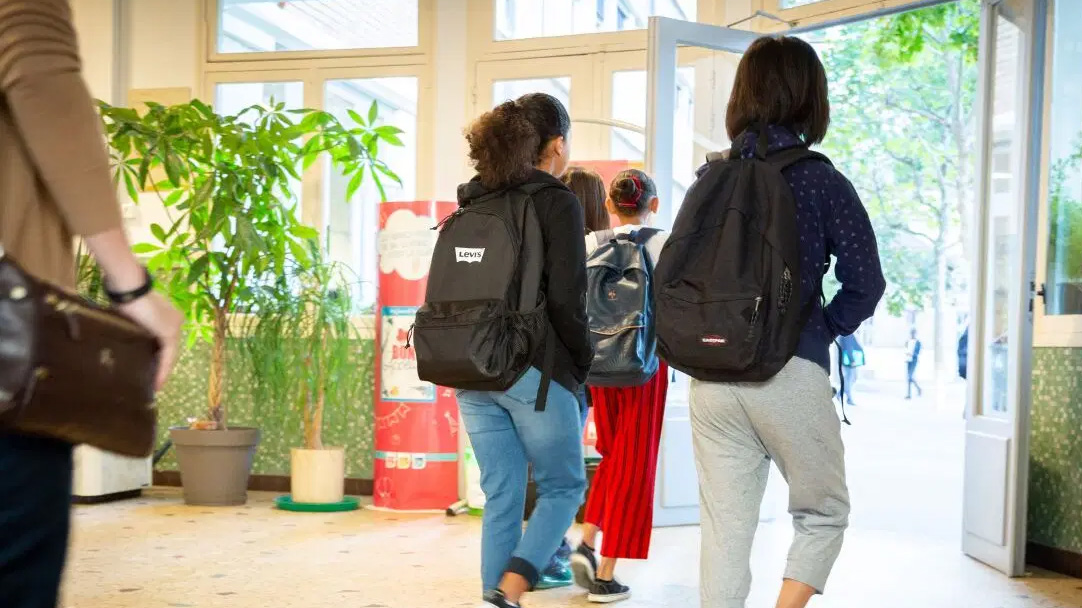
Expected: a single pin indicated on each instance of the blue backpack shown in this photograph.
(620, 307)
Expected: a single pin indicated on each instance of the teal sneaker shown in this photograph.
(557, 574)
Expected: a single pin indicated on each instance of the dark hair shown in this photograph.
(780, 81)
(631, 191)
(590, 190)
(506, 143)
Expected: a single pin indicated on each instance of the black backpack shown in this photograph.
(619, 278)
(484, 313)
(728, 287)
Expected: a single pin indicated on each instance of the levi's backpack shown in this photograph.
(620, 307)
(484, 313)
(727, 286)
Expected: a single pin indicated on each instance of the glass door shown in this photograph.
(996, 453)
(701, 60)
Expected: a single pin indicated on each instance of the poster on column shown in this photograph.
(416, 423)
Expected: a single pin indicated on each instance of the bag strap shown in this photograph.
(642, 235)
(548, 363)
(531, 289)
(787, 157)
(604, 236)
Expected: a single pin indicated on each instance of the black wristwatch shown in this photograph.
(127, 297)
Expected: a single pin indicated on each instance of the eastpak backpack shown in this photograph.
(727, 284)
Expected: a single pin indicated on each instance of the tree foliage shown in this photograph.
(903, 93)
(227, 186)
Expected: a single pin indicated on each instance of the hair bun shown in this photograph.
(626, 192)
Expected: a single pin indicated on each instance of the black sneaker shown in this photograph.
(496, 599)
(584, 565)
(607, 592)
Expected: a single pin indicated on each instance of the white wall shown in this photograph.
(96, 26)
(451, 79)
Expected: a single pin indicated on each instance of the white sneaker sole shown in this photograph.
(608, 599)
(585, 575)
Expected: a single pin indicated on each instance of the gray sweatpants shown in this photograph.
(738, 429)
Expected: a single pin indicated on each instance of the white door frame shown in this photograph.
(676, 497)
(997, 447)
(665, 37)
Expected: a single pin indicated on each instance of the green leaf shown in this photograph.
(357, 118)
(303, 231)
(197, 269)
(158, 232)
(384, 169)
(379, 186)
(354, 184)
(129, 185)
(145, 248)
(373, 112)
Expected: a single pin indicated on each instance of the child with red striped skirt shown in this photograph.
(628, 419)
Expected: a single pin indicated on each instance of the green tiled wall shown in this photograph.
(348, 425)
(1055, 461)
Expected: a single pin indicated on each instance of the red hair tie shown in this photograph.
(633, 204)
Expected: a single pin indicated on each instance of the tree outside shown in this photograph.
(903, 92)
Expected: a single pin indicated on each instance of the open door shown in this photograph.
(709, 56)
(1012, 48)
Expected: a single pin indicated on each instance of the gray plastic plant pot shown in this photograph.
(215, 465)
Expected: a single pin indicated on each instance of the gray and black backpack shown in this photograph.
(484, 316)
(620, 306)
(729, 301)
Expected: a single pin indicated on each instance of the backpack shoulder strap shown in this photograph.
(604, 236)
(643, 235)
(783, 159)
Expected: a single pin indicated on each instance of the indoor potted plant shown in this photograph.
(304, 347)
(226, 183)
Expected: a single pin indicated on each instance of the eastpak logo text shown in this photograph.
(469, 255)
(714, 341)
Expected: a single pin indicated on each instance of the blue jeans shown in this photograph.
(508, 435)
(35, 510)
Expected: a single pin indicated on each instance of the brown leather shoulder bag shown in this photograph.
(72, 370)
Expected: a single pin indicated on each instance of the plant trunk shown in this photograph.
(315, 435)
(215, 411)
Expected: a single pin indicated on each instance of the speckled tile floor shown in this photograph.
(155, 552)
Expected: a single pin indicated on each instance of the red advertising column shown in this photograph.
(416, 423)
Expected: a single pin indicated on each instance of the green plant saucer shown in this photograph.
(349, 503)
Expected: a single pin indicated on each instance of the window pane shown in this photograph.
(795, 3)
(1003, 221)
(262, 26)
(232, 98)
(352, 225)
(505, 90)
(1064, 278)
(625, 144)
(516, 19)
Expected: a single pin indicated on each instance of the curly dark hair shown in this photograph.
(506, 142)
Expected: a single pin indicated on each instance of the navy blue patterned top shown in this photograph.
(831, 220)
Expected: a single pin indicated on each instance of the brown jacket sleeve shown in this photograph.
(41, 83)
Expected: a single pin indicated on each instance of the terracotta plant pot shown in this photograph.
(318, 476)
(215, 465)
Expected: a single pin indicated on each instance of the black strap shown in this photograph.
(546, 368)
(841, 382)
(642, 235)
